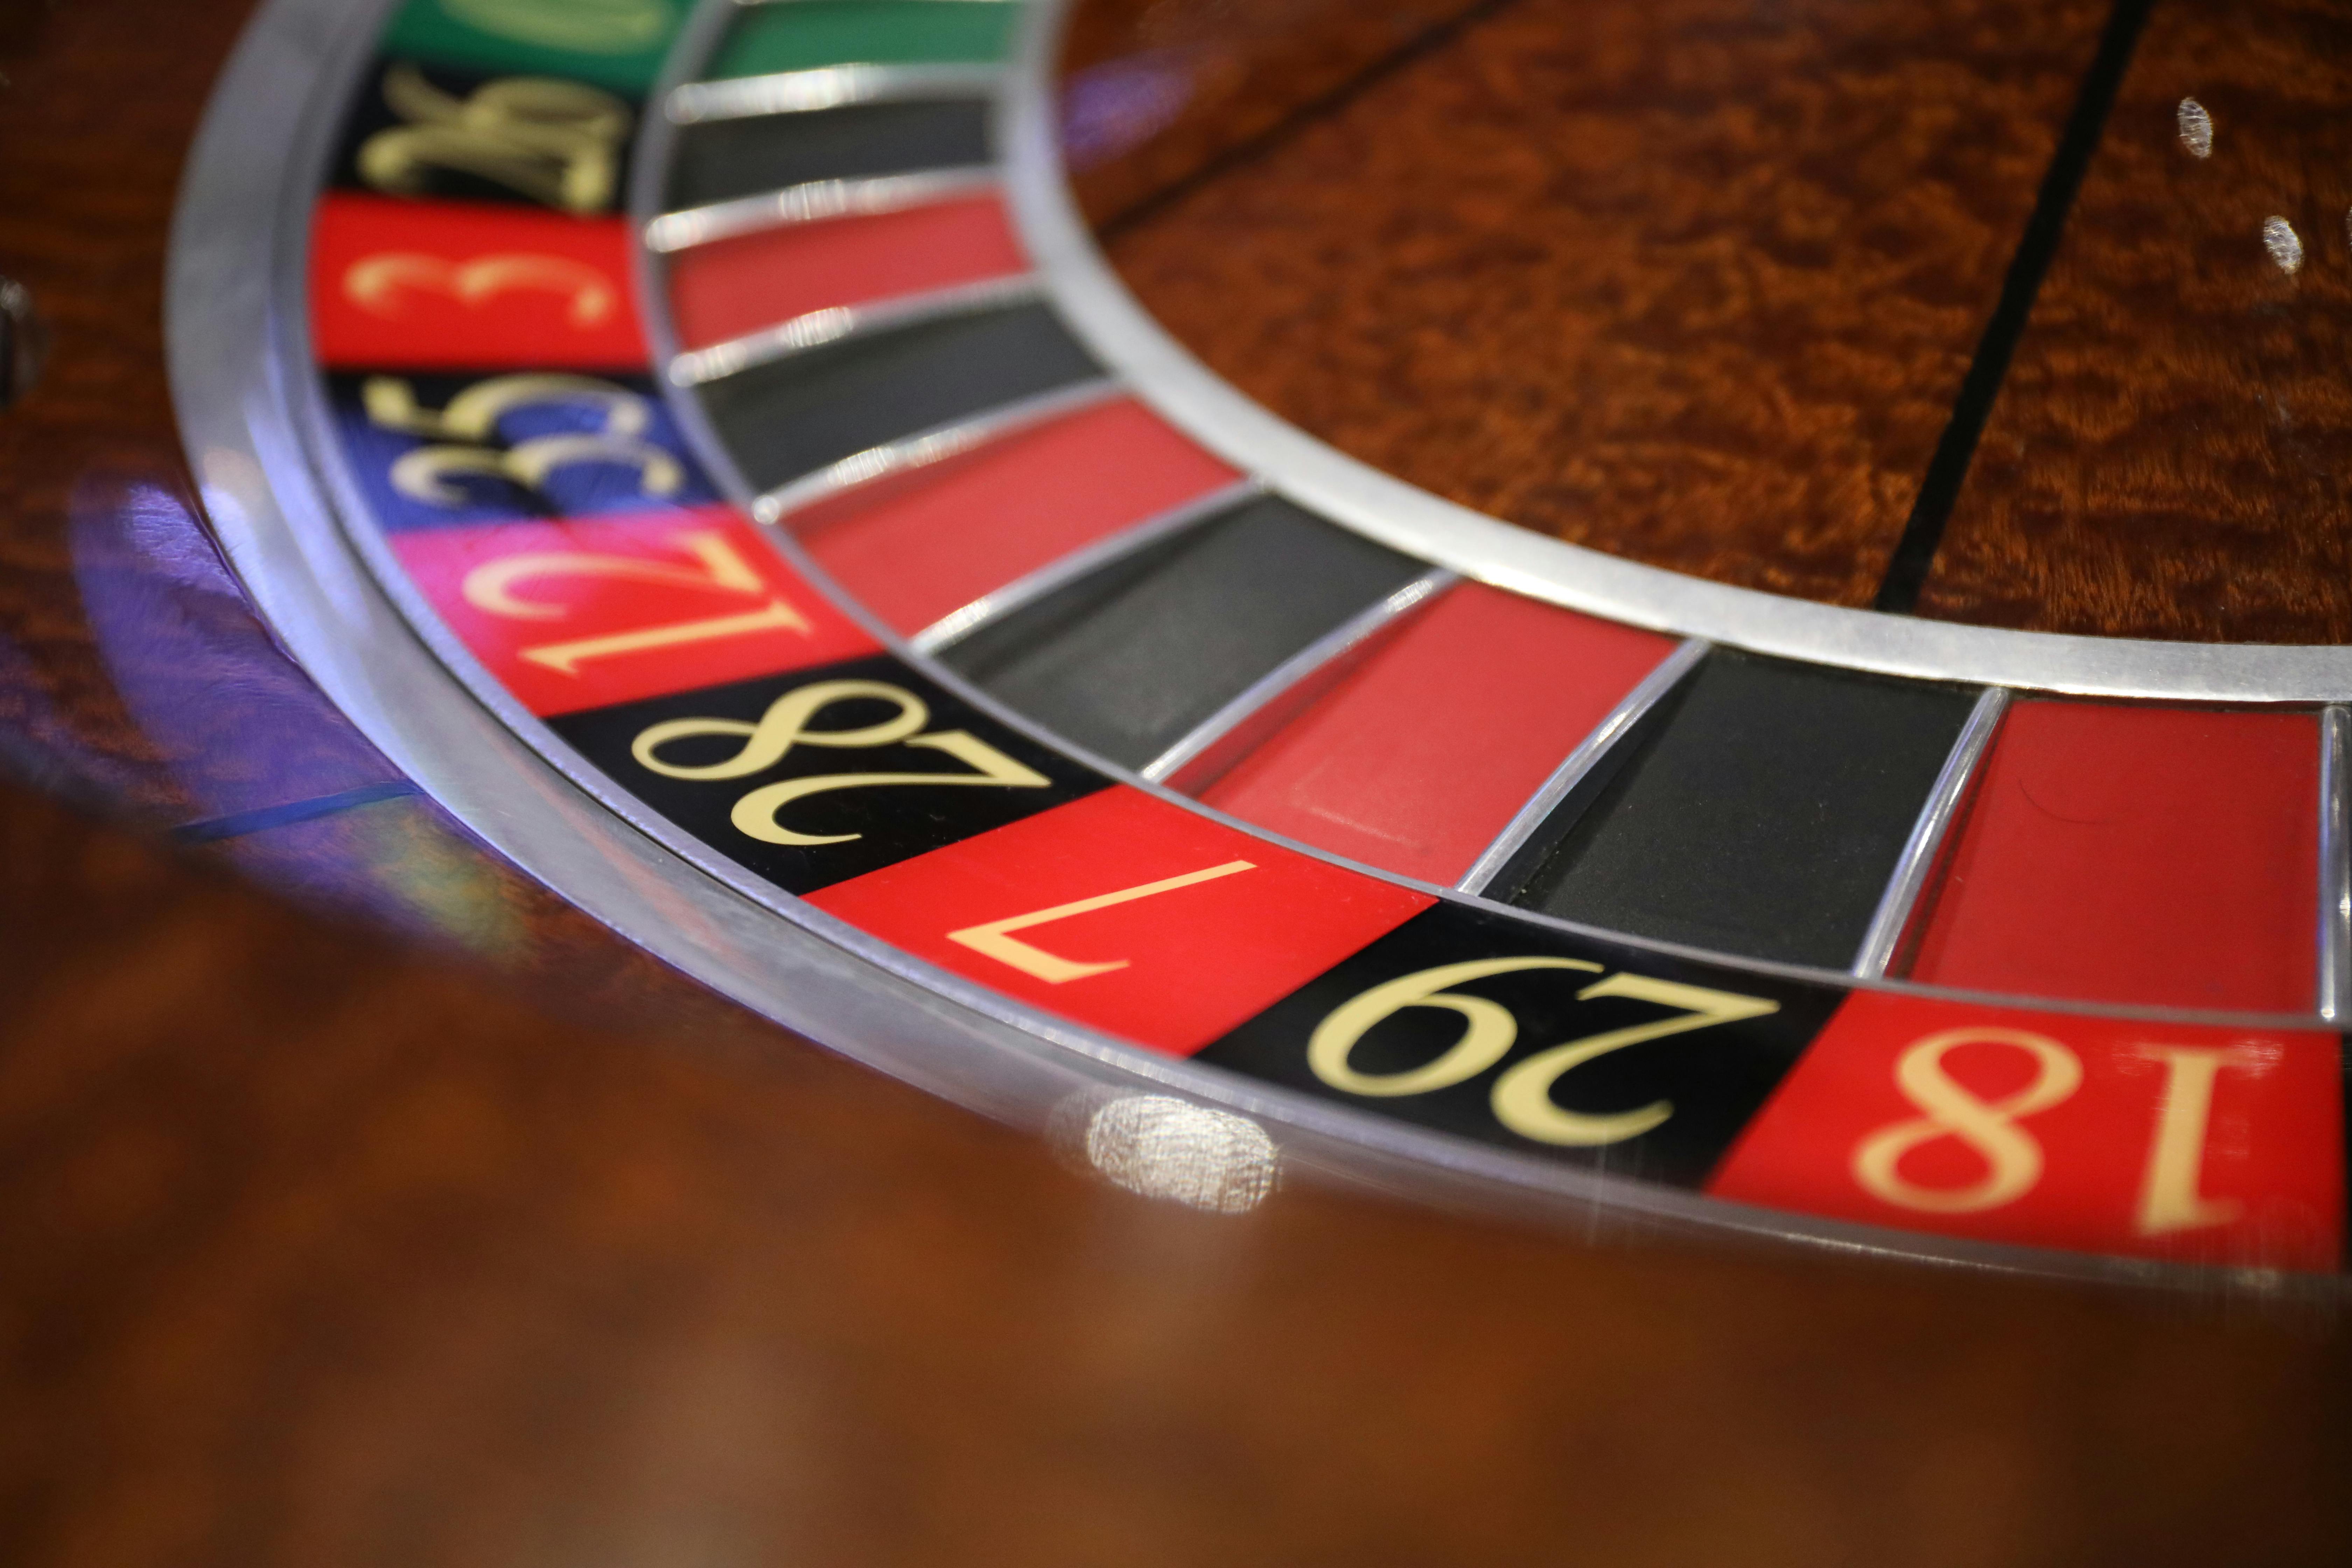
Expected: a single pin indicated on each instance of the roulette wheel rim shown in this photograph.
(293, 523)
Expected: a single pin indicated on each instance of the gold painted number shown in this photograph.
(586, 26)
(1523, 1100)
(472, 417)
(994, 939)
(1522, 1097)
(719, 566)
(1988, 1128)
(379, 284)
(555, 141)
(789, 722)
(2171, 1196)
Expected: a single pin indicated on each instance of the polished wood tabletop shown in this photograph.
(319, 1247)
(360, 1204)
(1779, 294)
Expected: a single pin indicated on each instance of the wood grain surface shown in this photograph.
(97, 104)
(319, 1249)
(1157, 93)
(2170, 453)
(486, 1241)
(1692, 281)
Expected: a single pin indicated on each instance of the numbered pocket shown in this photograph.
(813, 778)
(438, 449)
(584, 613)
(2193, 1142)
(1496, 1029)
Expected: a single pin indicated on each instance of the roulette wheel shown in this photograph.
(1749, 634)
(1315, 441)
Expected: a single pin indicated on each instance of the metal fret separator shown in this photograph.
(2335, 870)
(933, 446)
(1918, 862)
(1212, 748)
(1579, 763)
(699, 367)
(814, 201)
(1027, 589)
(828, 87)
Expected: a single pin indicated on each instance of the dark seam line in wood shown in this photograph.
(1940, 488)
(1418, 48)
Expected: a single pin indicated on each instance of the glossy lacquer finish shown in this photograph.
(1936, 308)
(1680, 875)
(1696, 284)
(308, 1230)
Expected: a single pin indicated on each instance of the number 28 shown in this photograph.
(790, 722)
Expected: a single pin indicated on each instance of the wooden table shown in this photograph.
(400, 1215)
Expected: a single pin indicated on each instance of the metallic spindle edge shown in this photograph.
(699, 367)
(1324, 653)
(1893, 915)
(928, 447)
(1581, 761)
(826, 87)
(1087, 559)
(2335, 872)
(813, 201)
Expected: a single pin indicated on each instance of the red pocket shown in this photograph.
(585, 611)
(2196, 1144)
(1127, 913)
(407, 285)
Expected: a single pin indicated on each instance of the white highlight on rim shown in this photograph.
(1614, 728)
(827, 86)
(1122, 336)
(812, 203)
(1888, 921)
(699, 367)
(1162, 1147)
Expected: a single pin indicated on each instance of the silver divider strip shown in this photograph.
(826, 87)
(1888, 921)
(1588, 753)
(935, 445)
(1213, 747)
(2335, 870)
(813, 201)
(699, 367)
(998, 602)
